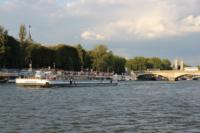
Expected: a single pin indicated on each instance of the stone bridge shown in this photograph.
(171, 75)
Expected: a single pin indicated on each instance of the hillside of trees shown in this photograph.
(19, 53)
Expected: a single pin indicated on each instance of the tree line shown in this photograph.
(141, 63)
(19, 53)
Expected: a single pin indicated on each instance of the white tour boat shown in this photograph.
(47, 79)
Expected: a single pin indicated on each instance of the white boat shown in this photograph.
(40, 79)
(64, 83)
(39, 82)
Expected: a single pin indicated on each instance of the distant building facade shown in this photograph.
(191, 69)
(178, 64)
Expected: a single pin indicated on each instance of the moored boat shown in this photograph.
(61, 83)
(47, 79)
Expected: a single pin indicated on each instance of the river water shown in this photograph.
(126, 108)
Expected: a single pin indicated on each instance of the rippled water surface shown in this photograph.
(126, 108)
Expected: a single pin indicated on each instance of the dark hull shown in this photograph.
(85, 84)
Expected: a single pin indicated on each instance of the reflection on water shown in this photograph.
(129, 107)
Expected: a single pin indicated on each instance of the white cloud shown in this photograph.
(142, 28)
(141, 19)
(108, 19)
(152, 27)
(88, 35)
(190, 24)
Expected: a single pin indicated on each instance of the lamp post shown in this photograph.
(30, 65)
(29, 33)
(54, 66)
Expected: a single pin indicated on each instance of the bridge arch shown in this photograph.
(151, 76)
(188, 76)
(196, 77)
(183, 77)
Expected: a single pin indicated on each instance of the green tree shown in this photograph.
(166, 64)
(66, 57)
(142, 63)
(98, 54)
(22, 34)
(107, 62)
(39, 55)
(104, 60)
(88, 60)
(119, 64)
(12, 54)
(3, 48)
(137, 64)
(80, 53)
(23, 45)
(156, 62)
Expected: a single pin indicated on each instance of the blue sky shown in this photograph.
(163, 28)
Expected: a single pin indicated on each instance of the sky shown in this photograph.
(162, 28)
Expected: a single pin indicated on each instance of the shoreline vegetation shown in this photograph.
(20, 53)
